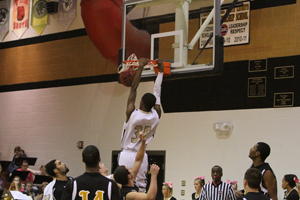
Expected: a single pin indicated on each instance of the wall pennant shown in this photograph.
(20, 17)
(39, 16)
(67, 11)
(4, 18)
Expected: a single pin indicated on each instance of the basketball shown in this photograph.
(127, 76)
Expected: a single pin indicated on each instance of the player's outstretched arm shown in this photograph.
(151, 194)
(157, 86)
(139, 156)
(134, 86)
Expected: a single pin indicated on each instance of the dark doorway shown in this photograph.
(157, 157)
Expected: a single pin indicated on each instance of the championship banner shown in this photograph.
(67, 11)
(39, 16)
(4, 18)
(20, 17)
(235, 28)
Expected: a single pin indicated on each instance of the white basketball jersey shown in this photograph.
(139, 121)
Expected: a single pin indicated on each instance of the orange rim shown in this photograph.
(127, 61)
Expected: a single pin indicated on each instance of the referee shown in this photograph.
(91, 185)
(217, 190)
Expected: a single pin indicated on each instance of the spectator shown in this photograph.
(24, 167)
(55, 188)
(258, 154)
(217, 190)
(43, 185)
(199, 182)
(167, 191)
(28, 189)
(39, 194)
(2, 180)
(18, 152)
(289, 183)
(16, 185)
(252, 180)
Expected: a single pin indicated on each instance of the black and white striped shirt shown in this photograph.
(223, 191)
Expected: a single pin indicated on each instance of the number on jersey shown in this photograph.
(138, 129)
(84, 195)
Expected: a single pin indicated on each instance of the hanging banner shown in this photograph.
(20, 17)
(39, 16)
(67, 11)
(4, 18)
(235, 28)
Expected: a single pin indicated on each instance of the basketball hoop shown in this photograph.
(133, 62)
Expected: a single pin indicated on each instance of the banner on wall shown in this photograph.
(235, 29)
(67, 11)
(20, 17)
(4, 18)
(39, 16)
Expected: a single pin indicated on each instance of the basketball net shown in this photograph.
(133, 62)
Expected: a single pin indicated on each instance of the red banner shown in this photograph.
(20, 17)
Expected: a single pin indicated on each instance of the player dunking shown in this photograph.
(144, 119)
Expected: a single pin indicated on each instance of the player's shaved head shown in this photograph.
(91, 156)
(149, 101)
(264, 150)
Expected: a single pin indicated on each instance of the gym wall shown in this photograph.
(46, 107)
